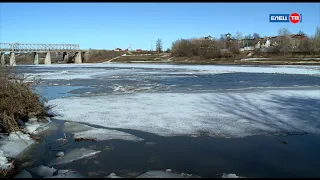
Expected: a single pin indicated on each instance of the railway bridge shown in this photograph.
(36, 49)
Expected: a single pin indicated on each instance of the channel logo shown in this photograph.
(294, 18)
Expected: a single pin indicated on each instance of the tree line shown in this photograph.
(228, 46)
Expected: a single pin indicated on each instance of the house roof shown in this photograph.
(263, 41)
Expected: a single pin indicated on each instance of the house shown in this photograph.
(206, 38)
(267, 44)
(118, 49)
(297, 38)
(258, 45)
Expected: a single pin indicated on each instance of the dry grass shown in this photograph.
(98, 56)
(17, 101)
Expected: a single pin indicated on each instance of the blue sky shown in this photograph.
(111, 25)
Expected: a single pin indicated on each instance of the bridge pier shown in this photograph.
(3, 62)
(78, 58)
(36, 58)
(47, 60)
(85, 56)
(65, 57)
(12, 59)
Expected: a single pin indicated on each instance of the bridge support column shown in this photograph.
(85, 56)
(36, 58)
(78, 58)
(65, 57)
(3, 62)
(12, 59)
(47, 60)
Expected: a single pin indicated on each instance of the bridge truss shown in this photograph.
(24, 48)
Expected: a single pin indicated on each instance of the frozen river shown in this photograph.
(245, 103)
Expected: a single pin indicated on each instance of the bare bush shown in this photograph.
(17, 101)
(234, 47)
(204, 48)
(283, 43)
(182, 48)
(210, 49)
(305, 46)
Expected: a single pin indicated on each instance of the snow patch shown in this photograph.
(31, 128)
(4, 164)
(253, 59)
(35, 127)
(15, 143)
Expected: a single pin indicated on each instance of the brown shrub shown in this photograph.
(17, 101)
(206, 49)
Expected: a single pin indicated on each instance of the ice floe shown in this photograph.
(43, 171)
(163, 174)
(226, 175)
(74, 155)
(103, 134)
(99, 70)
(67, 174)
(229, 114)
(82, 131)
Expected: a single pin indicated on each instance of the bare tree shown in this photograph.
(249, 36)
(311, 44)
(234, 47)
(249, 40)
(182, 48)
(283, 42)
(305, 46)
(223, 37)
(210, 49)
(239, 35)
(223, 41)
(301, 33)
(283, 32)
(316, 41)
(256, 36)
(159, 45)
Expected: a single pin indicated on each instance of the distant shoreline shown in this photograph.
(236, 62)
